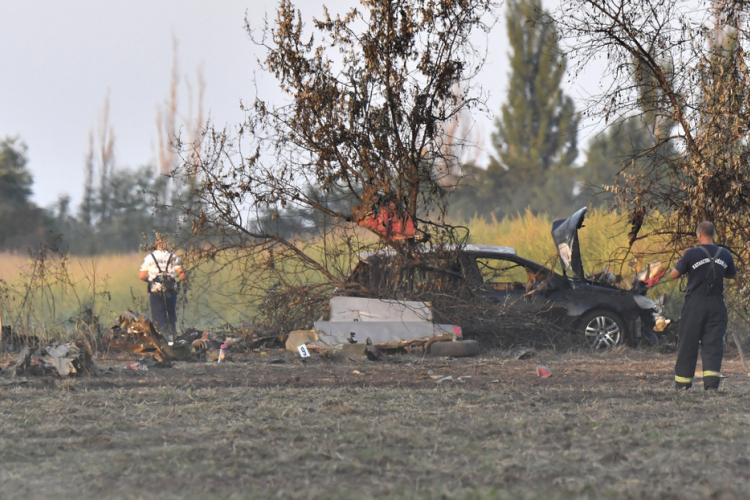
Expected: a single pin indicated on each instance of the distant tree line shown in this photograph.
(534, 162)
(111, 218)
(22, 223)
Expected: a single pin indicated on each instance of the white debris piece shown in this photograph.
(361, 309)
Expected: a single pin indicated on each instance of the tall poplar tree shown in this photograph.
(536, 136)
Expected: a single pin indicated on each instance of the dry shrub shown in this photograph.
(285, 309)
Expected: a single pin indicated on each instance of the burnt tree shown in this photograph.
(684, 66)
(360, 134)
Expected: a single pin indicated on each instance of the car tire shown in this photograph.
(602, 329)
(457, 349)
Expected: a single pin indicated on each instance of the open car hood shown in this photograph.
(565, 236)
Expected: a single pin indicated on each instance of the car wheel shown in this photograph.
(602, 329)
(457, 349)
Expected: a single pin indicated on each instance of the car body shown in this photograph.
(605, 314)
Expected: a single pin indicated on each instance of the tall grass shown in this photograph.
(603, 241)
(54, 295)
(49, 294)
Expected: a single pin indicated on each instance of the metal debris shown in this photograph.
(135, 333)
(543, 372)
(372, 352)
(57, 360)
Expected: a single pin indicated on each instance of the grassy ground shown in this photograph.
(605, 425)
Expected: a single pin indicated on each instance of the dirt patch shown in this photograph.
(604, 425)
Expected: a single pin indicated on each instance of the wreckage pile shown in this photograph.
(366, 326)
(57, 360)
(136, 334)
(132, 333)
(361, 327)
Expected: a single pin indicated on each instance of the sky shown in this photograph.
(61, 61)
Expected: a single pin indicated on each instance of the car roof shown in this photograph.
(470, 248)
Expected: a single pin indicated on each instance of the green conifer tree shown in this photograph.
(536, 137)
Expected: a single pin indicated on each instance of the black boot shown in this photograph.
(711, 383)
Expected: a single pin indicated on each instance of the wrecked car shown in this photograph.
(602, 313)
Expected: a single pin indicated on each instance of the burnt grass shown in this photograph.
(605, 425)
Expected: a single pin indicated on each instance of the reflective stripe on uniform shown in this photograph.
(683, 380)
(709, 373)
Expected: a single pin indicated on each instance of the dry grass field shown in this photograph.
(605, 425)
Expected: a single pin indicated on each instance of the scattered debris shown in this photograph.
(147, 362)
(298, 338)
(343, 353)
(523, 353)
(372, 352)
(449, 378)
(60, 358)
(543, 372)
(652, 274)
(135, 333)
(208, 344)
(183, 350)
(428, 374)
(57, 360)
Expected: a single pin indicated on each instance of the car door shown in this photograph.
(506, 281)
(521, 285)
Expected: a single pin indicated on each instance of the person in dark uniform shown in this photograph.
(704, 316)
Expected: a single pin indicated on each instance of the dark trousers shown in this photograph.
(703, 322)
(164, 312)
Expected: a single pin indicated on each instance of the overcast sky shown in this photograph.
(61, 59)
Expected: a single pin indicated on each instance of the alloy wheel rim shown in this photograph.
(602, 332)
